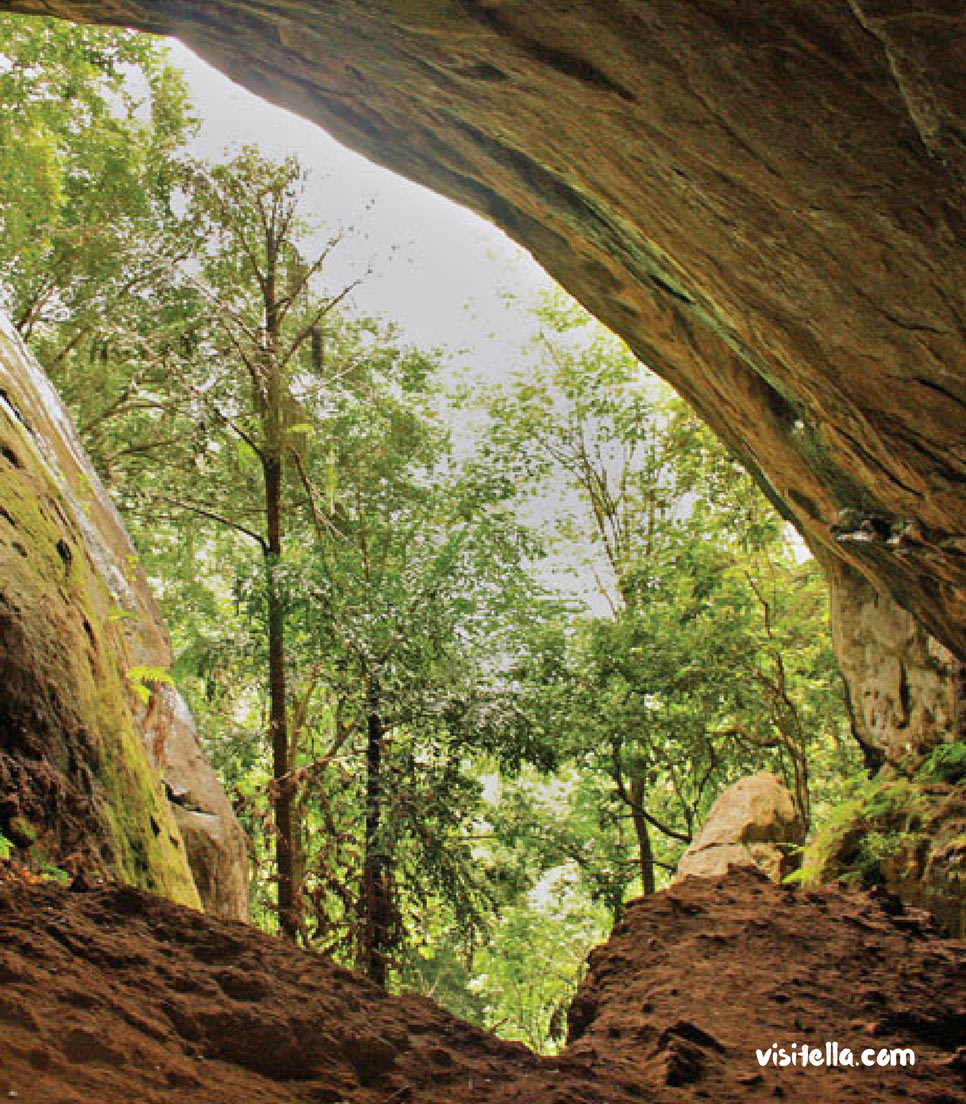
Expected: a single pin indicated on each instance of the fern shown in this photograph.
(946, 763)
(144, 679)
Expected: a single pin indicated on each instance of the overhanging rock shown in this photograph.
(766, 200)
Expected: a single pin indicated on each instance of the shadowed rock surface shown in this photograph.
(905, 690)
(109, 996)
(766, 200)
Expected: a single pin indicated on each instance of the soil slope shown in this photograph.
(110, 995)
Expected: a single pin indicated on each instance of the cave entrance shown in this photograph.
(335, 755)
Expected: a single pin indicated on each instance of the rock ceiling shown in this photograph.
(765, 200)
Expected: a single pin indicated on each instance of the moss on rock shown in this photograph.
(73, 765)
(904, 832)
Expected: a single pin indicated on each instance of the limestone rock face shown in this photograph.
(766, 200)
(905, 689)
(753, 823)
(80, 755)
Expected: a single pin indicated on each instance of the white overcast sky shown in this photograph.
(446, 277)
(441, 272)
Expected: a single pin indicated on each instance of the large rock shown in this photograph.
(753, 823)
(929, 869)
(905, 834)
(766, 200)
(81, 756)
(216, 845)
(905, 690)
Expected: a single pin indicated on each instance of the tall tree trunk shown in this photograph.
(272, 455)
(645, 851)
(376, 903)
(278, 719)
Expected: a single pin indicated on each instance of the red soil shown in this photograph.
(111, 996)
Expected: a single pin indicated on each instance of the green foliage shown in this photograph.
(6, 848)
(144, 679)
(51, 873)
(945, 763)
(514, 681)
(530, 966)
(88, 122)
(714, 658)
(878, 819)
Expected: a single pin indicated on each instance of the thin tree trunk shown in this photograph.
(645, 850)
(278, 719)
(376, 904)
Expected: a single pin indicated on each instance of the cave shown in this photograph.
(766, 204)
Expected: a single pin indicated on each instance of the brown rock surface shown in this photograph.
(693, 976)
(933, 876)
(109, 996)
(766, 200)
(80, 755)
(905, 690)
(215, 842)
(752, 823)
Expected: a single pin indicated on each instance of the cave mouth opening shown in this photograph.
(214, 594)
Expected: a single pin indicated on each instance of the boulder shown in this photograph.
(753, 823)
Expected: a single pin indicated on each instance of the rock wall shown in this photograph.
(766, 200)
(81, 756)
(905, 689)
(929, 871)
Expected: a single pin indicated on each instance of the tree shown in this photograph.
(418, 592)
(250, 353)
(91, 125)
(689, 680)
(196, 329)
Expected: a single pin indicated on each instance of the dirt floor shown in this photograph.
(111, 996)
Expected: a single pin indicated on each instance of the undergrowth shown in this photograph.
(880, 819)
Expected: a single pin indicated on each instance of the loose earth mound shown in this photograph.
(109, 996)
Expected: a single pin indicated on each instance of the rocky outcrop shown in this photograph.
(905, 689)
(928, 870)
(753, 823)
(694, 975)
(216, 846)
(766, 200)
(81, 754)
(904, 834)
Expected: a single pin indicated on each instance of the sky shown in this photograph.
(446, 276)
(448, 279)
